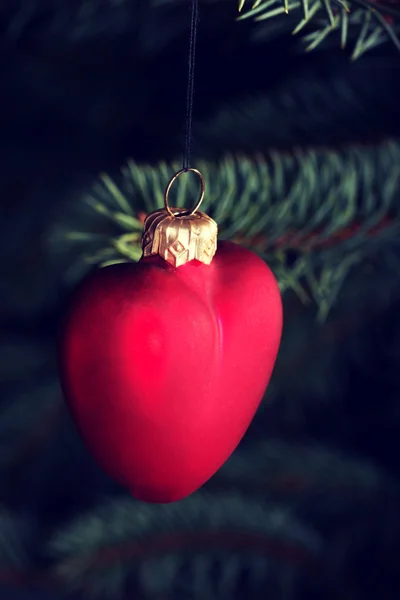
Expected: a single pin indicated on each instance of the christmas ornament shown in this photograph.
(164, 362)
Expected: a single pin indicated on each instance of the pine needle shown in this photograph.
(305, 5)
(256, 3)
(277, 11)
(320, 36)
(314, 9)
(358, 50)
(344, 28)
(259, 8)
(389, 30)
(373, 40)
(329, 12)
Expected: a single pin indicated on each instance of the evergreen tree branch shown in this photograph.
(313, 215)
(261, 523)
(353, 18)
(82, 21)
(216, 539)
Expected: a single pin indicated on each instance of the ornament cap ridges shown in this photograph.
(179, 236)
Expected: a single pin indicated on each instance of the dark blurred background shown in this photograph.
(308, 506)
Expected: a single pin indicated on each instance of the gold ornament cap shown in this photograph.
(178, 235)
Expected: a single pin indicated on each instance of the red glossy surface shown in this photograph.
(164, 368)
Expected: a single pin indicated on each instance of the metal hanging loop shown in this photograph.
(168, 189)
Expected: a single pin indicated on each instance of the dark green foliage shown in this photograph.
(205, 546)
(311, 215)
(255, 534)
(293, 148)
(368, 23)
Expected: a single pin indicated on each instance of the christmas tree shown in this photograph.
(298, 138)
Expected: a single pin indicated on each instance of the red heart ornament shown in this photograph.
(164, 368)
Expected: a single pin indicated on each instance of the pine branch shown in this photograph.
(312, 215)
(215, 540)
(368, 23)
(82, 21)
(351, 503)
(261, 531)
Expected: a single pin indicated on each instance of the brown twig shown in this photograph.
(308, 242)
(188, 542)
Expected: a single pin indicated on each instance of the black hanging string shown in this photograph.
(190, 86)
